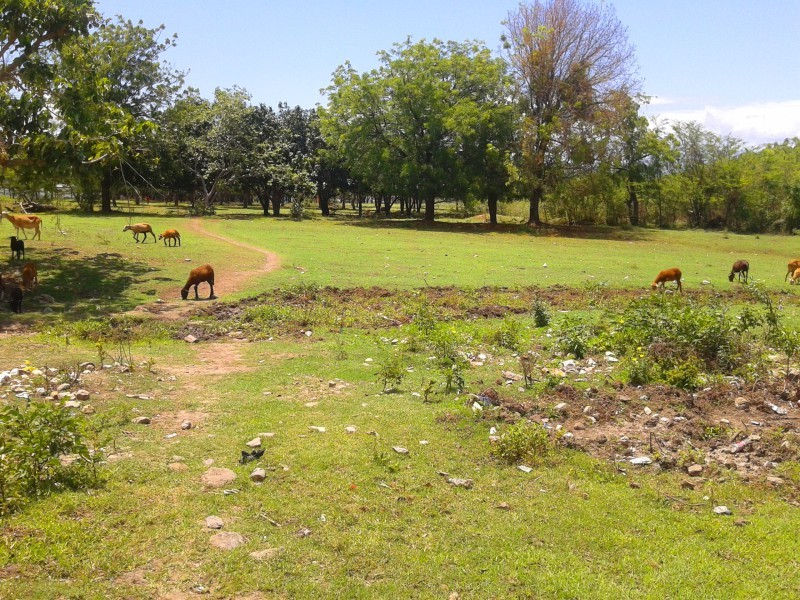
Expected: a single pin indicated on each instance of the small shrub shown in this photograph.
(453, 370)
(523, 441)
(297, 208)
(541, 314)
(392, 370)
(32, 439)
(509, 335)
(685, 376)
(574, 337)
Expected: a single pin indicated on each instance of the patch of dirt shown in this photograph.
(226, 281)
(214, 359)
(171, 421)
(723, 428)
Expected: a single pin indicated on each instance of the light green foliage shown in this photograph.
(32, 439)
(510, 333)
(392, 370)
(523, 442)
(431, 121)
(573, 337)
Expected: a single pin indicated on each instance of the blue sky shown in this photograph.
(732, 65)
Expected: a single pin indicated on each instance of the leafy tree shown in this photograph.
(402, 128)
(108, 91)
(31, 34)
(640, 154)
(573, 67)
(209, 140)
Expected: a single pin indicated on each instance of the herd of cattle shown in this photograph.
(205, 273)
(14, 292)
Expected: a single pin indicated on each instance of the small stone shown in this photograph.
(142, 420)
(524, 468)
(741, 403)
(350, 429)
(317, 429)
(740, 522)
(561, 407)
(695, 470)
(72, 404)
(258, 475)
(722, 510)
(254, 443)
(217, 477)
(82, 395)
(88, 409)
(169, 436)
(186, 425)
(400, 449)
(648, 411)
(63, 387)
(177, 467)
(214, 522)
(190, 339)
(266, 554)
(635, 485)
(227, 540)
(303, 532)
(503, 506)
(208, 462)
(641, 461)
(463, 483)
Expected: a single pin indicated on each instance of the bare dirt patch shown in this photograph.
(725, 428)
(235, 280)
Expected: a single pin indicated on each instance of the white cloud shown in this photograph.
(753, 123)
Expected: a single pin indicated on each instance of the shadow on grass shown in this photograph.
(81, 285)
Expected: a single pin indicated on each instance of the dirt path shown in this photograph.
(227, 281)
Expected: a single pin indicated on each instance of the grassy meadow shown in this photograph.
(347, 515)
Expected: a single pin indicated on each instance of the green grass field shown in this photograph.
(345, 515)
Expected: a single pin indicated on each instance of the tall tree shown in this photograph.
(110, 88)
(573, 65)
(31, 34)
(401, 128)
(211, 140)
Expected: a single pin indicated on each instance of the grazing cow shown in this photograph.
(673, 274)
(742, 267)
(196, 277)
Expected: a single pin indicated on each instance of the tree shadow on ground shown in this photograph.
(545, 231)
(81, 285)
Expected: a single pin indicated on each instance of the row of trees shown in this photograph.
(555, 122)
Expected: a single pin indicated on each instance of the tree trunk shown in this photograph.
(492, 200)
(633, 206)
(387, 206)
(536, 199)
(276, 204)
(429, 208)
(105, 192)
(324, 205)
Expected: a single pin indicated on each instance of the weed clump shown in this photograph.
(523, 441)
(35, 441)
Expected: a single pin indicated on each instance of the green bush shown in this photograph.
(541, 314)
(392, 370)
(509, 334)
(574, 337)
(33, 439)
(523, 441)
